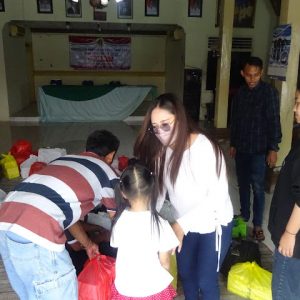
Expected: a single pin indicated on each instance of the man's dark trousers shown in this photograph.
(250, 169)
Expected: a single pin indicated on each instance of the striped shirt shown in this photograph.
(45, 204)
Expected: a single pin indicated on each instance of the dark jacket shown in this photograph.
(255, 119)
(286, 194)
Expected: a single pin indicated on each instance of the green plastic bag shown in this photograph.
(250, 281)
(239, 228)
(9, 166)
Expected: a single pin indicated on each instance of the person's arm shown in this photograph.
(179, 234)
(164, 258)
(274, 127)
(232, 152)
(288, 238)
(80, 235)
(287, 241)
(271, 158)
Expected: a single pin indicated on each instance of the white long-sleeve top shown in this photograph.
(199, 196)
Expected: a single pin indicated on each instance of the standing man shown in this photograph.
(254, 139)
(34, 217)
(284, 223)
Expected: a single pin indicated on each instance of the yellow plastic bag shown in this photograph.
(250, 281)
(173, 270)
(9, 166)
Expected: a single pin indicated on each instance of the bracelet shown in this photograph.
(290, 232)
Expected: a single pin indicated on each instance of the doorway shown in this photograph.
(235, 81)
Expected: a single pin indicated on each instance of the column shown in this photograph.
(223, 71)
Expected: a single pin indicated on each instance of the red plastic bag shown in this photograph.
(123, 162)
(21, 150)
(96, 279)
(21, 147)
(21, 158)
(36, 166)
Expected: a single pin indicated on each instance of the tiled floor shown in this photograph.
(72, 136)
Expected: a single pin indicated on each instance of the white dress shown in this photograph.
(138, 269)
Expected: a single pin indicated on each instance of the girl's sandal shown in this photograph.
(258, 234)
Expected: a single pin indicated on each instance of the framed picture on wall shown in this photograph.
(99, 14)
(152, 8)
(195, 8)
(73, 9)
(244, 13)
(2, 7)
(44, 6)
(125, 10)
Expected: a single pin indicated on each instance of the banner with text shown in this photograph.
(279, 53)
(100, 53)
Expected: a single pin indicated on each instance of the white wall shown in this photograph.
(51, 51)
(265, 22)
(13, 10)
(174, 53)
(51, 61)
(17, 74)
(171, 12)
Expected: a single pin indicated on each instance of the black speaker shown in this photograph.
(192, 92)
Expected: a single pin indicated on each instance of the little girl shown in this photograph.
(144, 240)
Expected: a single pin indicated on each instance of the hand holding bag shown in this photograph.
(96, 279)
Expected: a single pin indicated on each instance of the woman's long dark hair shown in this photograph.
(136, 181)
(152, 153)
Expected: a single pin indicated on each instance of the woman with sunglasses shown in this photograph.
(191, 169)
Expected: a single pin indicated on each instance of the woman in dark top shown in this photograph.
(284, 223)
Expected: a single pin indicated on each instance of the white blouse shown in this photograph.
(138, 269)
(200, 198)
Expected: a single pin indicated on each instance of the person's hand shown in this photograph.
(91, 249)
(287, 244)
(179, 233)
(232, 152)
(272, 158)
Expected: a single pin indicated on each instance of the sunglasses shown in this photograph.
(165, 126)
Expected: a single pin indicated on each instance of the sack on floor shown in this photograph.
(9, 166)
(250, 281)
(96, 279)
(46, 155)
(240, 251)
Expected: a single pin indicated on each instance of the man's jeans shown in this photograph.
(250, 170)
(35, 272)
(285, 279)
